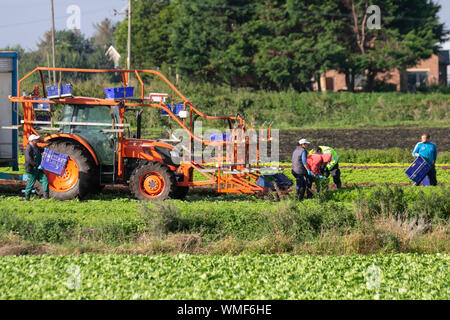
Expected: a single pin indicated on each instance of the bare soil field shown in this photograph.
(364, 138)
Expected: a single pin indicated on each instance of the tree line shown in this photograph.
(261, 44)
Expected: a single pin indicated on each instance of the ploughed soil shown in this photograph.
(363, 138)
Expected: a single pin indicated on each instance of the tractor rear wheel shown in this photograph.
(152, 181)
(79, 174)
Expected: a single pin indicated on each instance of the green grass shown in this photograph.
(291, 109)
(402, 276)
(379, 217)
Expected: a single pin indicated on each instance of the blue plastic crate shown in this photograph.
(54, 162)
(66, 90)
(418, 170)
(52, 92)
(176, 108)
(41, 106)
(220, 137)
(43, 118)
(119, 93)
(268, 180)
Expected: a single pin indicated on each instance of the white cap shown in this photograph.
(303, 141)
(33, 137)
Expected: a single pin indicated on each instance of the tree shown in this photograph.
(265, 44)
(104, 32)
(411, 31)
(73, 50)
(150, 29)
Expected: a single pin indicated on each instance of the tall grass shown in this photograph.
(387, 219)
(291, 109)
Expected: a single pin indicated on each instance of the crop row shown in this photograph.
(402, 276)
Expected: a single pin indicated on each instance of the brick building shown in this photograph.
(425, 73)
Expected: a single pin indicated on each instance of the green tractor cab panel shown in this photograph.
(102, 142)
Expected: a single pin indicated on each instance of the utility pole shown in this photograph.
(129, 34)
(53, 42)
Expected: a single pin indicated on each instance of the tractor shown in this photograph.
(95, 135)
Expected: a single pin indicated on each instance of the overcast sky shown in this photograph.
(25, 21)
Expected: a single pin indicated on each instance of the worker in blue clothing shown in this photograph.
(427, 150)
(301, 170)
(33, 167)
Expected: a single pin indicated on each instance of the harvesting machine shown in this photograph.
(94, 133)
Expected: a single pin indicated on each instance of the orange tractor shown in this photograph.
(101, 151)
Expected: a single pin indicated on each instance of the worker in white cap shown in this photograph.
(301, 170)
(33, 167)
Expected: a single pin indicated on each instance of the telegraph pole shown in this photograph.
(129, 34)
(53, 42)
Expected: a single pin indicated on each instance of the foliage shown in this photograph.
(214, 217)
(150, 28)
(388, 156)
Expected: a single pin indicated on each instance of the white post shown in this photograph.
(129, 34)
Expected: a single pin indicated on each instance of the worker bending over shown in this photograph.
(332, 167)
(33, 167)
(316, 160)
(427, 150)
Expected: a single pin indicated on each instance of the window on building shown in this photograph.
(360, 80)
(417, 80)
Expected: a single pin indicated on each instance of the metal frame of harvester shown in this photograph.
(152, 175)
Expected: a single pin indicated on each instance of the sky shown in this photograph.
(24, 22)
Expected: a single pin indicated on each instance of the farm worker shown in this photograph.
(427, 150)
(315, 161)
(300, 169)
(33, 167)
(332, 167)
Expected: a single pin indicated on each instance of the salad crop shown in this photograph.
(400, 276)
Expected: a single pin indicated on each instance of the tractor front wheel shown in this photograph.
(153, 181)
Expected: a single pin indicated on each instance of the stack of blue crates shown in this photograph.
(54, 162)
(418, 170)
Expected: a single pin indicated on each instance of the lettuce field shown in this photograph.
(401, 276)
(376, 238)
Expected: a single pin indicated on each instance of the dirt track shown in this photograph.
(380, 138)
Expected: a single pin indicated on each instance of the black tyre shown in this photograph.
(78, 177)
(180, 192)
(152, 181)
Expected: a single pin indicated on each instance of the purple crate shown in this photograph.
(418, 170)
(54, 162)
